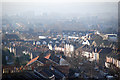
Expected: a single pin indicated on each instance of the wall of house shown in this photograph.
(111, 60)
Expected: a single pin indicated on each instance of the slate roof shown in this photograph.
(10, 36)
(55, 58)
(25, 75)
(64, 69)
(90, 41)
(104, 50)
(58, 74)
(46, 73)
(114, 55)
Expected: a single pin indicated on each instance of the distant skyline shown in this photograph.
(48, 15)
(75, 8)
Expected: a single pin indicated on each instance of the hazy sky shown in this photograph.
(100, 8)
(62, 7)
(62, 1)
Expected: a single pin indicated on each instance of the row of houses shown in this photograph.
(10, 69)
(64, 48)
(91, 55)
(13, 50)
(48, 67)
(112, 61)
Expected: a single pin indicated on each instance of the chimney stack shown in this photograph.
(96, 50)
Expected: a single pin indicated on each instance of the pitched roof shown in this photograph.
(48, 56)
(63, 62)
(32, 60)
(58, 74)
(64, 69)
(90, 41)
(54, 58)
(45, 73)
